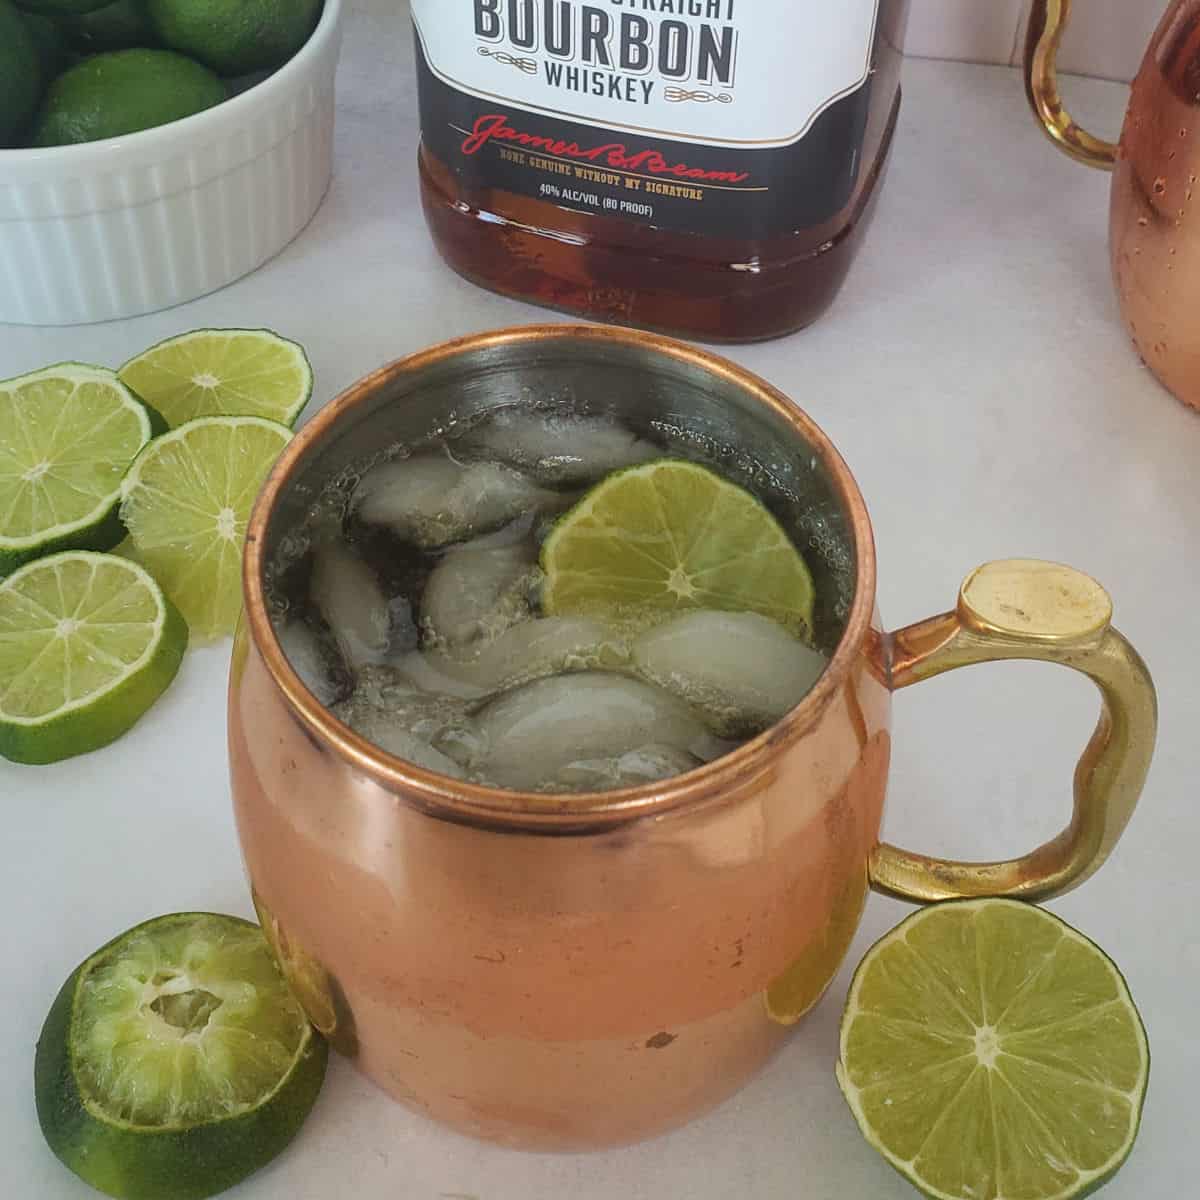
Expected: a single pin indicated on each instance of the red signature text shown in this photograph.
(494, 127)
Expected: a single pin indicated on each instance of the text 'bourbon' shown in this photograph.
(705, 167)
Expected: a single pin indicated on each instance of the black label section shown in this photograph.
(677, 186)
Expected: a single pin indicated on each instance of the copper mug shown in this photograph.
(580, 971)
(1153, 239)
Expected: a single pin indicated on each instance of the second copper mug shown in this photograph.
(1154, 235)
(577, 971)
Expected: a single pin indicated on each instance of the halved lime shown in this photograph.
(186, 501)
(67, 436)
(991, 1052)
(674, 535)
(88, 642)
(175, 1062)
(223, 372)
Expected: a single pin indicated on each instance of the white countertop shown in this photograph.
(977, 379)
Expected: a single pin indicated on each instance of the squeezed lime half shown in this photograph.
(175, 1061)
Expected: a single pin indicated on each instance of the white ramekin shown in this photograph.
(134, 224)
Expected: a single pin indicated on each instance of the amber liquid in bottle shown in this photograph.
(723, 288)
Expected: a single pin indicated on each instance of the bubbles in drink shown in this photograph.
(409, 602)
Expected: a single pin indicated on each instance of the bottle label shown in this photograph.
(734, 118)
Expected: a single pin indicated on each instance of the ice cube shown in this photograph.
(462, 742)
(744, 670)
(387, 731)
(647, 764)
(527, 651)
(440, 676)
(535, 731)
(475, 594)
(558, 449)
(513, 534)
(550, 645)
(432, 500)
(389, 690)
(387, 709)
(303, 650)
(349, 597)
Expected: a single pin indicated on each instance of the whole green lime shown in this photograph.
(63, 6)
(119, 26)
(235, 37)
(50, 40)
(20, 73)
(123, 92)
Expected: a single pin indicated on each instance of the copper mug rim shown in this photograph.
(472, 803)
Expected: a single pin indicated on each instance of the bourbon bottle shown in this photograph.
(701, 167)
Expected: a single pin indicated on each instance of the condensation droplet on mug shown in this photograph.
(1143, 221)
(1160, 185)
(1160, 347)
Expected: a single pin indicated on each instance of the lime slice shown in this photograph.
(990, 1051)
(186, 501)
(223, 372)
(175, 1062)
(673, 535)
(67, 437)
(88, 642)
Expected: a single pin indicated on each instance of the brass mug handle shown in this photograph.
(1047, 21)
(1023, 609)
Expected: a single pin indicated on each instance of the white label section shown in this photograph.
(717, 72)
